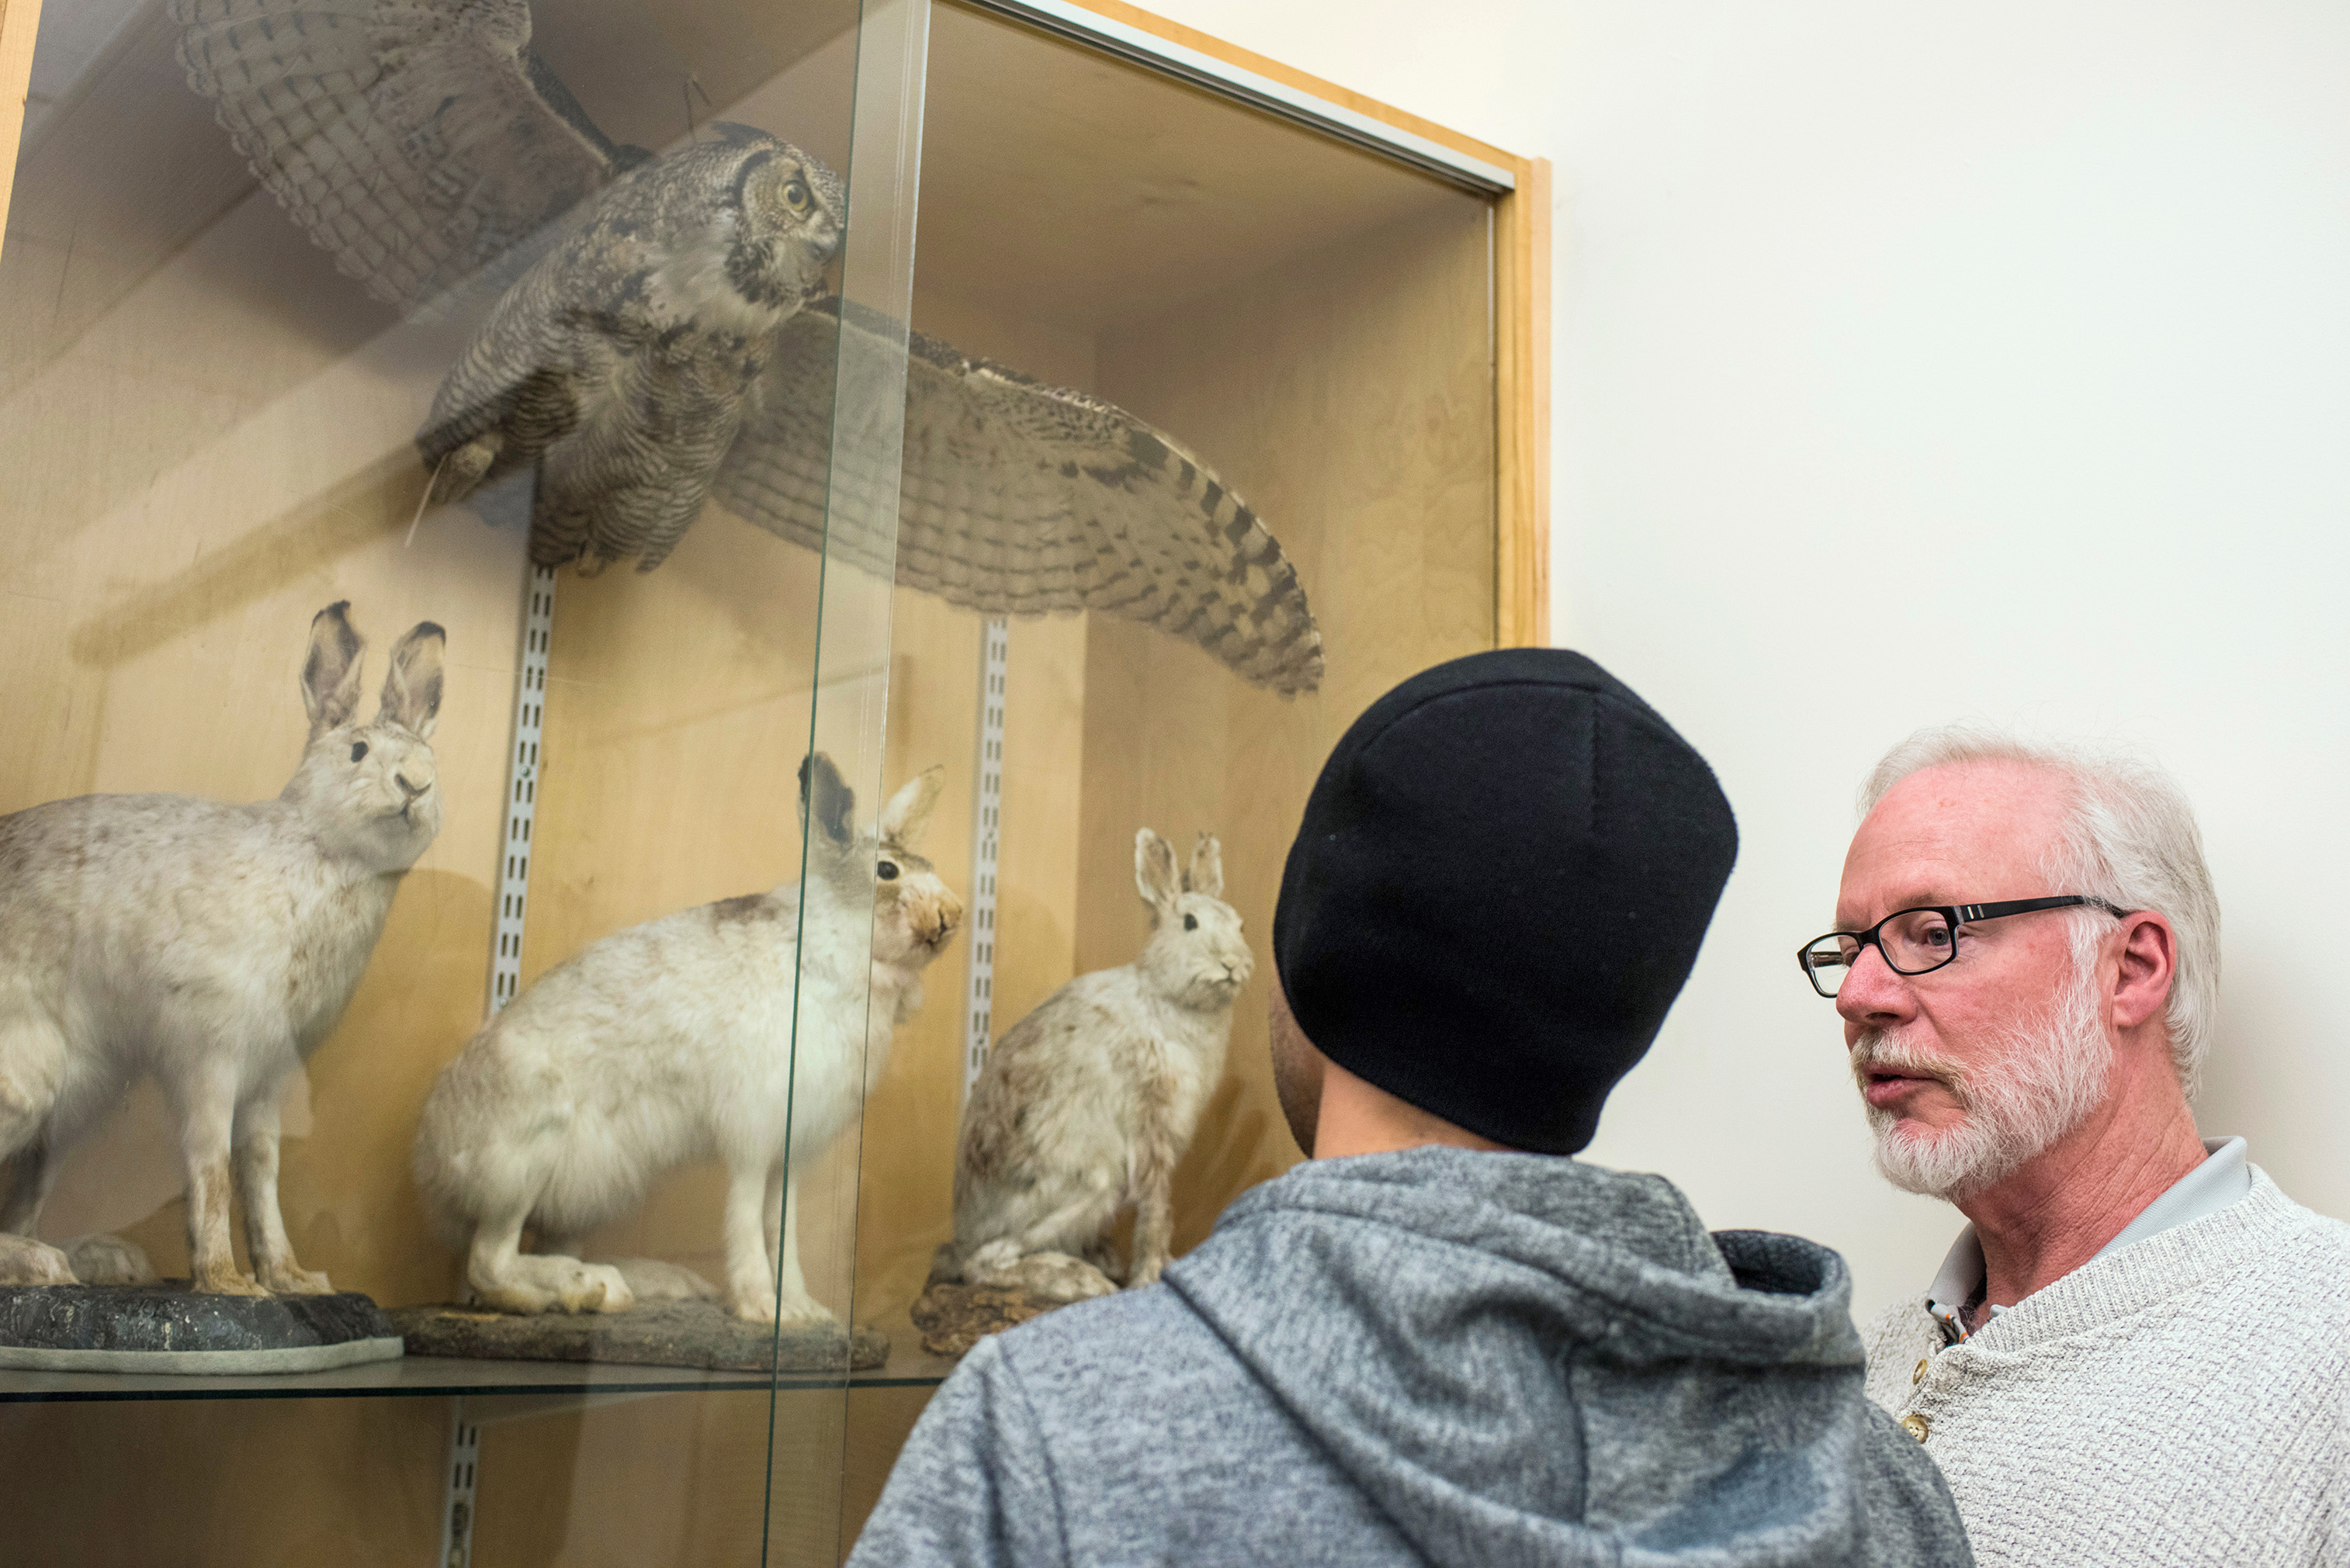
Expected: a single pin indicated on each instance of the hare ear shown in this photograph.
(411, 687)
(330, 675)
(828, 801)
(1206, 874)
(1154, 871)
(908, 816)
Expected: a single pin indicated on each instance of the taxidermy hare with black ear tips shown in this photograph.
(1087, 1103)
(213, 945)
(674, 1041)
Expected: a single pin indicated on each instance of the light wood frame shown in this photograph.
(1521, 307)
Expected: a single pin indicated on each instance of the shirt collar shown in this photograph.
(2224, 1176)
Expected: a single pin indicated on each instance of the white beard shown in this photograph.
(2051, 1073)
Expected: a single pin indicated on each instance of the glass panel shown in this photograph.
(1285, 330)
(517, 961)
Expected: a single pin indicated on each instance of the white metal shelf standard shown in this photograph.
(522, 787)
(463, 1460)
(987, 826)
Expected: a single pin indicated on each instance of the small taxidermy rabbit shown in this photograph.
(1088, 1104)
(674, 1041)
(213, 945)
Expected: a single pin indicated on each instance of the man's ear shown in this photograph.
(2148, 969)
(1297, 1069)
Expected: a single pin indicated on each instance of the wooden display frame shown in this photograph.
(1521, 325)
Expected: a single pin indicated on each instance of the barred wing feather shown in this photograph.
(1015, 497)
(420, 141)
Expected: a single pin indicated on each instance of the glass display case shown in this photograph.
(599, 596)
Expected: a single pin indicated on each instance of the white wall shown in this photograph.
(1917, 363)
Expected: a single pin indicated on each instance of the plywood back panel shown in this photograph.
(906, 1204)
(1349, 397)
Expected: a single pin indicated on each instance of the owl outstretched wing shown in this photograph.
(420, 141)
(1016, 497)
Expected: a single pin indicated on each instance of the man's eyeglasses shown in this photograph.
(1917, 942)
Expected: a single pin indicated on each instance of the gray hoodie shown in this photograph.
(1476, 1360)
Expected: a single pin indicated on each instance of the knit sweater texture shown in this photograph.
(2183, 1400)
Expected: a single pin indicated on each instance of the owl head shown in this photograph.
(789, 211)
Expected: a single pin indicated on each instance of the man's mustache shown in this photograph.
(1878, 1052)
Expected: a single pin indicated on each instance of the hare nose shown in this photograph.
(410, 789)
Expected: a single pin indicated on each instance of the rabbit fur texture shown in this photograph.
(674, 1041)
(213, 945)
(1088, 1104)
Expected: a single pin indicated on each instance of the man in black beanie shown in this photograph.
(1439, 1340)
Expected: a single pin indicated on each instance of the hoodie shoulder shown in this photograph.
(1164, 1445)
(1909, 1515)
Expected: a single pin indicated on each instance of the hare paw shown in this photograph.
(593, 1287)
(799, 1311)
(544, 1284)
(102, 1260)
(997, 1257)
(1057, 1276)
(293, 1280)
(651, 1280)
(25, 1262)
(227, 1282)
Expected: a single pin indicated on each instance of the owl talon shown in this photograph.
(462, 467)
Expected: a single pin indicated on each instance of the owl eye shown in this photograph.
(796, 197)
(1190, 922)
(358, 750)
(887, 870)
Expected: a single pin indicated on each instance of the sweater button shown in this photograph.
(1916, 1426)
(1919, 1376)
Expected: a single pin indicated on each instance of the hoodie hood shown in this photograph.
(1701, 1394)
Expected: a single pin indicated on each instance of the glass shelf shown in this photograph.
(414, 1376)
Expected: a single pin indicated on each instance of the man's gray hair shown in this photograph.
(2130, 838)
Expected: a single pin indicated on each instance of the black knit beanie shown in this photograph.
(1500, 884)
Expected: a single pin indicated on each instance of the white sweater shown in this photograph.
(2183, 1400)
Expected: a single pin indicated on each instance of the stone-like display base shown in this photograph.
(954, 1317)
(652, 1334)
(166, 1328)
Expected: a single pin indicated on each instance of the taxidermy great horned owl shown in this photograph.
(620, 364)
(670, 346)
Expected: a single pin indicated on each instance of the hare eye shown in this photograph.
(887, 870)
(1190, 922)
(358, 750)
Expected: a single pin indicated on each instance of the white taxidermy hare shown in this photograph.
(213, 945)
(1088, 1104)
(674, 1041)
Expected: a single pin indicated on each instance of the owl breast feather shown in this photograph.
(619, 367)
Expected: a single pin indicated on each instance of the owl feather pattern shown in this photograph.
(652, 344)
(1016, 498)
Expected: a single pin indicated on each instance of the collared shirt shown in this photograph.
(2224, 1178)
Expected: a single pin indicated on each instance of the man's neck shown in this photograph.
(2060, 1207)
(1358, 1117)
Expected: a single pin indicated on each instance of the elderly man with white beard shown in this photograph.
(2138, 1350)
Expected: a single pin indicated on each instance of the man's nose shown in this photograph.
(1872, 996)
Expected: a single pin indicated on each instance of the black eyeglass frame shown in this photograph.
(1955, 914)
